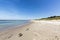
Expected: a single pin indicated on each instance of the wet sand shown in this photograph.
(36, 30)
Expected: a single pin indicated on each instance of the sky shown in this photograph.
(29, 9)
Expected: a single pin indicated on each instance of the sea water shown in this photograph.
(5, 24)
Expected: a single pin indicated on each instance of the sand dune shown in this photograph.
(36, 30)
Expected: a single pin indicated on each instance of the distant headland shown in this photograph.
(50, 18)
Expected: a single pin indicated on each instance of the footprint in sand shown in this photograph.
(27, 29)
(10, 36)
(7, 37)
(20, 34)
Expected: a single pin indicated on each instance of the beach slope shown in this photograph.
(36, 30)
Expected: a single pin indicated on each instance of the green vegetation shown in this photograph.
(51, 18)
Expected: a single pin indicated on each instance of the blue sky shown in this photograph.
(28, 9)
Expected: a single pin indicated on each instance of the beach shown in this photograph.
(36, 30)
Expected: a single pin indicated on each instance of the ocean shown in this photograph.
(6, 24)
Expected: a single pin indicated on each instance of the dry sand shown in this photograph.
(36, 30)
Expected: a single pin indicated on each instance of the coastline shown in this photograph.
(13, 27)
(13, 30)
(36, 30)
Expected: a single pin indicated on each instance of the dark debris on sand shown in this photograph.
(20, 34)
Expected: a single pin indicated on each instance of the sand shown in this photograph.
(36, 30)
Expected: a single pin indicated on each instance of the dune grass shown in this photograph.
(51, 18)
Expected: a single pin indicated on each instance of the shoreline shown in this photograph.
(36, 30)
(18, 26)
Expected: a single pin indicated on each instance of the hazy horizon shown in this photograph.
(28, 9)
